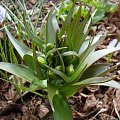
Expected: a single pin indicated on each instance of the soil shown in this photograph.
(90, 103)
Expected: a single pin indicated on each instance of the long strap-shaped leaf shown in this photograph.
(92, 58)
(76, 34)
(95, 70)
(62, 109)
(23, 72)
(51, 92)
(32, 35)
(36, 85)
(21, 48)
(109, 70)
(51, 27)
(73, 88)
(111, 83)
(67, 22)
(98, 39)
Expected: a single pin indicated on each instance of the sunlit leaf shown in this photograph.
(21, 48)
(36, 85)
(93, 80)
(114, 43)
(2, 13)
(51, 27)
(32, 35)
(93, 57)
(111, 83)
(22, 71)
(73, 88)
(96, 40)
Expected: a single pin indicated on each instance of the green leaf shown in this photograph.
(71, 89)
(67, 22)
(29, 61)
(61, 62)
(61, 74)
(23, 72)
(78, 72)
(77, 31)
(15, 18)
(91, 58)
(21, 48)
(92, 80)
(100, 15)
(94, 70)
(54, 50)
(32, 35)
(109, 70)
(88, 47)
(36, 85)
(62, 109)
(70, 53)
(51, 27)
(51, 92)
(72, 30)
(111, 83)
(94, 56)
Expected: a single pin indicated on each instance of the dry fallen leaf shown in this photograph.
(33, 1)
(90, 102)
(43, 111)
(93, 88)
(117, 100)
(1, 34)
(29, 116)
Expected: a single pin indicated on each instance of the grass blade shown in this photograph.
(32, 35)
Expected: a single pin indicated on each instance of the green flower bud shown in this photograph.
(58, 67)
(52, 75)
(42, 62)
(70, 70)
(49, 47)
